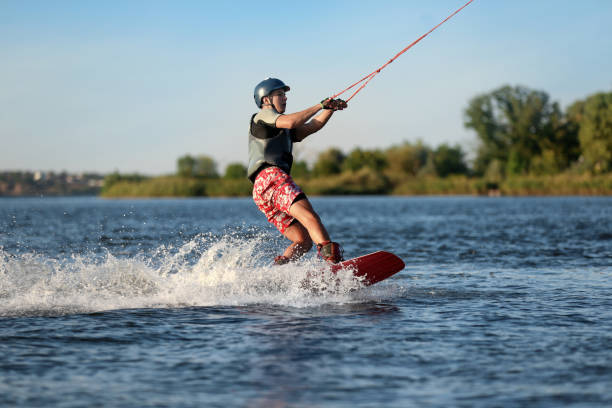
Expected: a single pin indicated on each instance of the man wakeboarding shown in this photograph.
(271, 138)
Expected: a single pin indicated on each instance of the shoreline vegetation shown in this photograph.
(366, 182)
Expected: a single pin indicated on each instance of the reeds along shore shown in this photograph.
(368, 182)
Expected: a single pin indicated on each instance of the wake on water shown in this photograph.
(202, 272)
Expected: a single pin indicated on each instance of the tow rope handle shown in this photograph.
(369, 77)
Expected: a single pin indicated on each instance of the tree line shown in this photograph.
(413, 159)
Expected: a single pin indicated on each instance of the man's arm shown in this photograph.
(313, 126)
(296, 120)
(299, 120)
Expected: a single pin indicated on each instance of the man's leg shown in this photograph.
(301, 242)
(302, 211)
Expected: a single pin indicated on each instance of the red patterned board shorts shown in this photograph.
(274, 191)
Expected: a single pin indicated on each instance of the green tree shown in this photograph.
(235, 171)
(561, 149)
(358, 159)
(201, 166)
(407, 158)
(329, 162)
(515, 125)
(300, 169)
(205, 167)
(449, 160)
(185, 166)
(595, 120)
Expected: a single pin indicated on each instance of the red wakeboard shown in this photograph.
(373, 267)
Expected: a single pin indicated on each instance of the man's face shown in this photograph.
(278, 99)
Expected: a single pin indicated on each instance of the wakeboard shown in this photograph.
(372, 268)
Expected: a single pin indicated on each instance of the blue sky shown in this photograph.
(133, 85)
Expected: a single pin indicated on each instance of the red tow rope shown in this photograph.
(369, 77)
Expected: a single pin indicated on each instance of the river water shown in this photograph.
(504, 302)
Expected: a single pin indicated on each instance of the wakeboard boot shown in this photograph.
(332, 252)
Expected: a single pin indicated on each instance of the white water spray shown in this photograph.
(202, 272)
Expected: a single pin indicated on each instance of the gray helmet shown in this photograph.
(265, 88)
